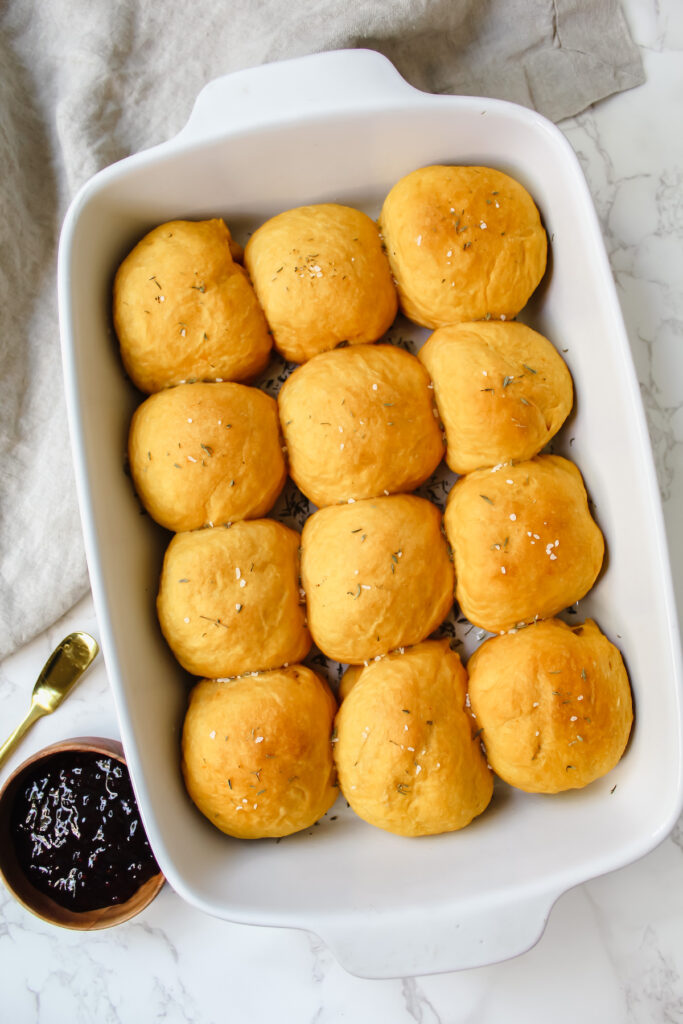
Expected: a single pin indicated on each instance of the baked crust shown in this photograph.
(322, 278)
(229, 599)
(554, 705)
(407, 751)
(524, 542)
(359, 422)
(201, 454)
(377, 575)
(502, 390)
(463, 243)
(184, 310)
(257, 757)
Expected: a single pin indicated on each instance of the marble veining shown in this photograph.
(612, 952)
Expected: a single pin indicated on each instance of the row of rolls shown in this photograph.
(413, 737)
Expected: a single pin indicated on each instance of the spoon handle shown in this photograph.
(61, 671)
(35, 712)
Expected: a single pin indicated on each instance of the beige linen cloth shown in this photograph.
(86, 82)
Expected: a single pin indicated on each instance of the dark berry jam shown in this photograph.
(78, 833)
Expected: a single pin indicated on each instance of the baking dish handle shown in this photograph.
(436, 941)
(305, 86)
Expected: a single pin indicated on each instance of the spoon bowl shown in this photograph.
(59, 675)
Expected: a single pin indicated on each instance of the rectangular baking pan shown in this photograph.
(343, 127)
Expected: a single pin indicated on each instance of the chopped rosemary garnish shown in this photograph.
(216, 622)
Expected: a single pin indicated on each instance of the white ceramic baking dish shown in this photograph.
(344, 126)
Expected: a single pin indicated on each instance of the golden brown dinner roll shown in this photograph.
(359, 422)
(524, 542)
(184, 310)
(229, 599)
(463, 243)
(553, 703)
(407, 752)
(503, 391)
(201, 454)
(322, 278)
(377, 575)
(257, 757)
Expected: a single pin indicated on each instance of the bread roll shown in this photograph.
(377, 575)
(359, 422)
(503, 391)
(185, 311)
(524, 542)
(554, 705)
(229, 599)
(407, 752)
(201, 454)
(257, 757)
(463, 243)
(322, 278)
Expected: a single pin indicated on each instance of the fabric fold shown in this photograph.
(84, 83)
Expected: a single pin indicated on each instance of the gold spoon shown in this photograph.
(61, 672)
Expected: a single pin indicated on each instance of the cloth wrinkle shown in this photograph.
(85, 83)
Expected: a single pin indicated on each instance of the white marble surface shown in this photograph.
(613, 948)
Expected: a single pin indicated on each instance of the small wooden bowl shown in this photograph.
(18, 882)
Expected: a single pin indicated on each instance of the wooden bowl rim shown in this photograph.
(17, 881)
